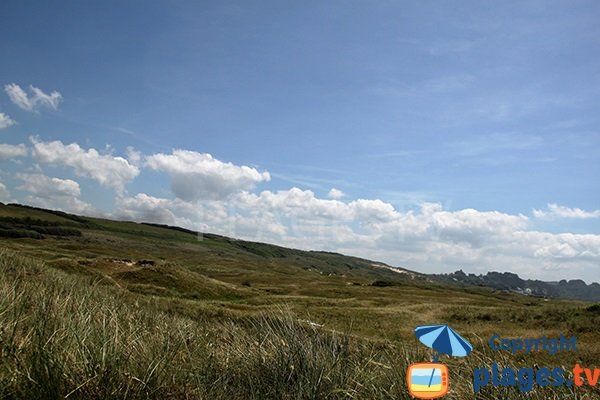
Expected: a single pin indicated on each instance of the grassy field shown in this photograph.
(127, 310)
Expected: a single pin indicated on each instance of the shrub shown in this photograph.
(20, 233)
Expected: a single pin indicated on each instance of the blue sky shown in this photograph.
(456, 134)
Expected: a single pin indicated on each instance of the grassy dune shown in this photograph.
(136, 311)
(70, 336)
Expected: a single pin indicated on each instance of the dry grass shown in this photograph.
(224, 319)
(70, 336)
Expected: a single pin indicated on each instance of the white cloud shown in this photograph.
(336, 194)
(200, 176)
(145, 208)
(6, 121)
(474, 227)
(109, 171)
(32, 102)
(563, 246)
(213, 216)
(12, 151)
(430, 239)
(213, 196)
(133, 156)
(381, 219)
(54, 193)
(294, 203)
(43, 185)
(373, 211)
(555, 211)
(370, 224)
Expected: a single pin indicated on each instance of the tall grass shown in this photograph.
(65, 336)
(68, 336)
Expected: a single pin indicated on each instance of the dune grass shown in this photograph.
(66, 336)
(136, 311)
(81, 337)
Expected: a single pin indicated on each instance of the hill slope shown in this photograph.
(30, 222)
(94, 308)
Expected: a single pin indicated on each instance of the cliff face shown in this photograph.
(573, 289)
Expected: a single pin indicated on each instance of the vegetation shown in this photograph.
(16, 227)
(146, 312)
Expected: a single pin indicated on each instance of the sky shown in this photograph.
(434, 136)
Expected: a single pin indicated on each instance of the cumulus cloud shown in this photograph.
(42, 185)
(197, 176)
(55, 193)
(335, 194)
(146, 208)
(293, 203)
(429, 239)
(434, 223)
(563, 246)
(213, 216)
(12, 150)
(369, 223)
(133, 156)
(6, 121)
(472, 226)
(555, 211)
(35, 100)
(373, 210)
(109, 171)
(214, 196)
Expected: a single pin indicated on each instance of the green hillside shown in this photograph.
(94, 308)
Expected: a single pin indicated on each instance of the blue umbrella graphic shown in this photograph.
(442, 339)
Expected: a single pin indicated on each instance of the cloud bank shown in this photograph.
(429, 239)
(210, 195)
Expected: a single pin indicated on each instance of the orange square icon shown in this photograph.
(427, 380)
